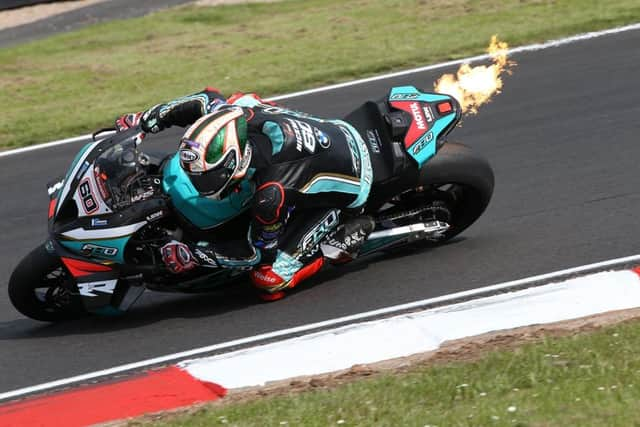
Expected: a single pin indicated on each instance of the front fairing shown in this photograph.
(95, 219)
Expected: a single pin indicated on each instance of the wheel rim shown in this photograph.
(419, 205)
(53, 292)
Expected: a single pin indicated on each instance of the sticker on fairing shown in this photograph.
(55, 187)
(104, 286)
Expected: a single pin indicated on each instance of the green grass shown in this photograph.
(76, 82)
(583, 380)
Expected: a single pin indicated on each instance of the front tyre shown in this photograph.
(41, 288)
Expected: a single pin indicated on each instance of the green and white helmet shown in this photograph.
(214, 152)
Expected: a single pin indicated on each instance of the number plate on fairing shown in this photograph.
(87, 196)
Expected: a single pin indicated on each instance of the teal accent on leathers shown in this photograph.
(201, 211)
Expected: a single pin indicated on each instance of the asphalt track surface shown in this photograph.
(77, 18)
(562, 139)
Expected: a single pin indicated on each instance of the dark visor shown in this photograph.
(214, 180)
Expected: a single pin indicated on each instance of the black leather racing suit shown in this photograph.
(303, 167)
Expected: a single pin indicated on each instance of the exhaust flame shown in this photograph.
(474, 86)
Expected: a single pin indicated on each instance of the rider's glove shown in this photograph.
(177, 257)
(150, 120)
(128, 121)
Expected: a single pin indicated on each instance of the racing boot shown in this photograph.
(345, 242)
(272, 280)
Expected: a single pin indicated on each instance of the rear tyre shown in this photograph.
(460, 179)
(455, 187)
(41, 288)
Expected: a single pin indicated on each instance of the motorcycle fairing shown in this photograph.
(76, 165)
(203, 212)
(100, 286)
(434, 115)
(106, 249)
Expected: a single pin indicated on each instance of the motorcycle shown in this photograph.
(117, 205)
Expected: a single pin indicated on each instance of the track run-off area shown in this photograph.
(562, 138)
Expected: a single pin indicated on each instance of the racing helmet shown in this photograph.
(214, 152)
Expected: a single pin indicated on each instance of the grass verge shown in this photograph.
(589, 379)
(76, 82)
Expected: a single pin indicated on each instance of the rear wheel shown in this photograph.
(455, 187)
(41, 288)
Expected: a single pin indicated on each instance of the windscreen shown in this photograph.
(116, 169)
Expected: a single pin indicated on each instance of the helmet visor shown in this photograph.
(214, 181)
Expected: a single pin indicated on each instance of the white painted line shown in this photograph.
(528, 48)
(375, 341)
(318, 325)
(45, 145)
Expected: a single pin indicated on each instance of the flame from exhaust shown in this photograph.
(474, 86)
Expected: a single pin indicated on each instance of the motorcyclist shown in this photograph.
(309, 174)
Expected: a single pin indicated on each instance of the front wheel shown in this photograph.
(40, 288)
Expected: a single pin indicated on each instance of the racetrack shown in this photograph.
(562, 140)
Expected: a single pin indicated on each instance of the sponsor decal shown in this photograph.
(336, 244)
(429, 136)
(97, 251)
(190, 143)
(322, 138)
(404, 96)
(264, 277)
(319, 231)
(353, 149)
(155, 215)
(204, 257)
(423, 143)
(88, 289)
(188, 156)
(417, 116)
(428, 113)
(97, 222)
(374, 140)
(143, 196)
(55, 187)
(304, 134)
(88, 201)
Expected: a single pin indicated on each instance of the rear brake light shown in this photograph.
(444, 107)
